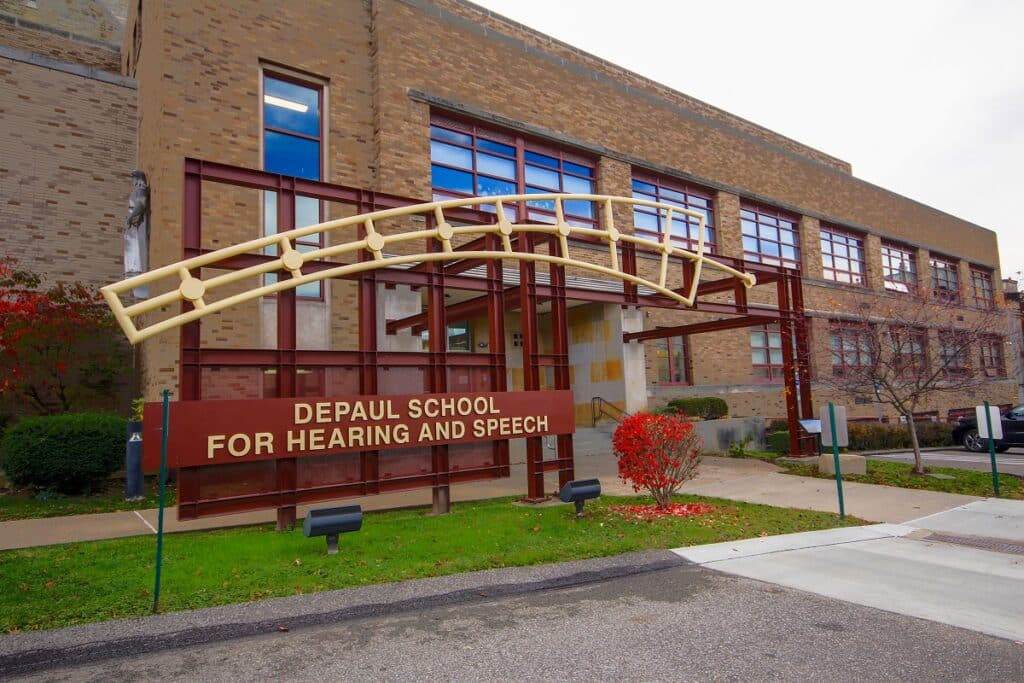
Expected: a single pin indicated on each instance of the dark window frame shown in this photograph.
(665, 344)
(310, 242)
(993, 360)
(522, 146)
(915, 363)
(764, 219)
(863, 349)
(945, 280)
(894, 256)
(956, 361)
(982, 288)
(690, 194)
(837, 239)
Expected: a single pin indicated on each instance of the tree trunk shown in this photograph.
(918, 463)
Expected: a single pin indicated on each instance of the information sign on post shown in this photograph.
(993, 419)
(842, 438)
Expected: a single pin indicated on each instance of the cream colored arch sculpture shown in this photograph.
(185, 287)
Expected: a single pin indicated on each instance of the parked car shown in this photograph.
(966, 432)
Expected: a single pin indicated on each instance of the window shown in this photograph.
(460, 338)
(945, 281)
(842, 257)
(468, 160)
(992, 364)
(684, 229)
(770, 236)
(981, 282)
(766, 353)
(899, 268)
(954, 353)
(852, 348)
(910, 351)
(670, 359)
(292, 137)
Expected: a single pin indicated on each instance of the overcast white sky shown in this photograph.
(925, 98)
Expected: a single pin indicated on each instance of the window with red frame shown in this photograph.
(981, 283)
(292, 145)
(685, 229)
(766, 353)
(954, 414)
(992, 362)
(945, 280)
(899, 268)
(910, 351)
(852, 348)
(770, 236)
(469, 160)
(842, 256)
(671, 360)
(954, 353)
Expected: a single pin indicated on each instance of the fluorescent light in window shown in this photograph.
(287, 104)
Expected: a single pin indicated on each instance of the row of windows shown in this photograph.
(468, 160)
(852, 349)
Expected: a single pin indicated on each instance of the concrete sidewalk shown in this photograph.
(747, 480)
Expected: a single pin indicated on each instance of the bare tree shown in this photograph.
(904, 348)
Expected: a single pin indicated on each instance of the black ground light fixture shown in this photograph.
(578, 491)
(330, 522)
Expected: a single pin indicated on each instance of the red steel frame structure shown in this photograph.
(494, 298)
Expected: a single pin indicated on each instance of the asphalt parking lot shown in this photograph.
(1010, 462)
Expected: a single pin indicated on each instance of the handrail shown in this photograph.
(597, 411)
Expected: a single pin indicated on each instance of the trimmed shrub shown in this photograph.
(777, 425)
(704, 407)
(657, 453)
(779, 442)
(934, 434)
(877, 437)
(66, 453)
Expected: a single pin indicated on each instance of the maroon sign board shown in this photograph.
(205, 433)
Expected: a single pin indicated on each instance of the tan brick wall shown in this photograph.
(67, 147)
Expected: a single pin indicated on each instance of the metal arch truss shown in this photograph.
(370, 251)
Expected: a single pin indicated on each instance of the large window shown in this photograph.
(992, 363)
(842, 256)
(766, 353)
(981, 283)
(770, 236)
(292, 145)
(899, 268)
(954, 352)
(685, 229)
(468, 160)
(945, 280)
(670, 360)
(910, 351)
(852, 347)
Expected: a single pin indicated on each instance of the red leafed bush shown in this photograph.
(657, 453)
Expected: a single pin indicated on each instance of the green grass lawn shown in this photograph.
(967, 482)
(84, 582)
(33, 504)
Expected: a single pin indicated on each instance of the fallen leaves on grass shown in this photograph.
(651, 512)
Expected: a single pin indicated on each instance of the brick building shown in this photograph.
(434, 99)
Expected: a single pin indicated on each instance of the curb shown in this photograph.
(77, 645)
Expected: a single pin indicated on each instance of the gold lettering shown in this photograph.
(490, 401)
(401, 433)
(442, 430)
(323, 412)
(379, 413)
(479, 429)
(517, 425)
(492, 425)
(529, 424)
(337, 440)
(464, 405)
(458, 429)
(504, 429)
(303, 413)
(381, 434)
(392, 415)
(235, 450)
(264, 440)
(214, 442)
(356, 436)
(430, 407)
(542, 423)
(425, 434)
(341, 409)
(359, 411)
(296, 440)
(415, 408)
(316, 439)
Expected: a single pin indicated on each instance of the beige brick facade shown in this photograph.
(386, 64)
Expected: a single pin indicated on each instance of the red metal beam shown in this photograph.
(698, 328)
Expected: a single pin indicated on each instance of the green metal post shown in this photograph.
(835, 456)
(992, 451)
(163, 488)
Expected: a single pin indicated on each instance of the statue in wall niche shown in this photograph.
(136, 231)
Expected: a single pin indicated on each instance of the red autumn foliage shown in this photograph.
(651, 512)
(58, 347)
(657, 453)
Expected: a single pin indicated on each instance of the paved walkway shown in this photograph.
(746, 480)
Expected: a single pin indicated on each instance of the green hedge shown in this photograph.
(876, 437)
(704, 407)
(778, 442)
(66, 453)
